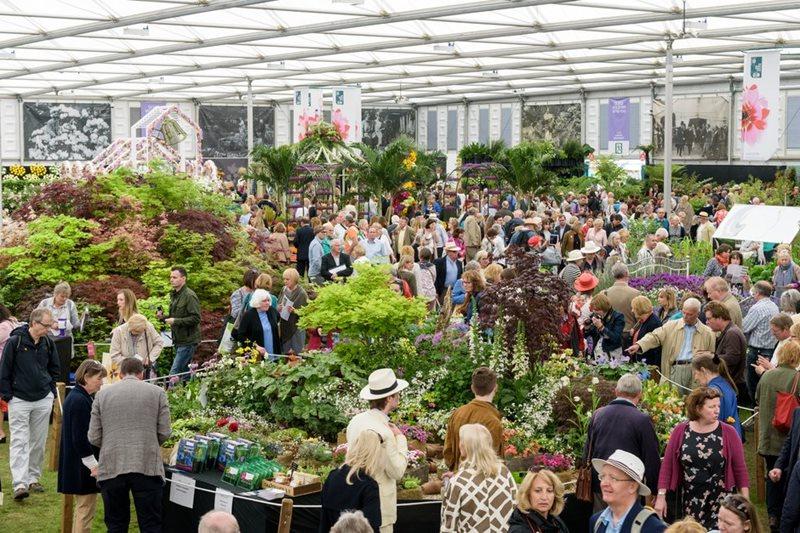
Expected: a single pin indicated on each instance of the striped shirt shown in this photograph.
(756, 324)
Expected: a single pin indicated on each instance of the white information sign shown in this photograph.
(762, 223)
(181, 490)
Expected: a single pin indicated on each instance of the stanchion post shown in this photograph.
(66, 514)
(760, 477)
(55, 429)
(285, 520)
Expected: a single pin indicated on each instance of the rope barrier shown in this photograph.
(295, 506)
(665, 378)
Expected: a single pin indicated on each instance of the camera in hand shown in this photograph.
(160, 314)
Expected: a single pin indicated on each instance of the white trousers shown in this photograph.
(28, 422)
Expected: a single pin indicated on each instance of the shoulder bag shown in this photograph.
(785, 405)
(583, 484)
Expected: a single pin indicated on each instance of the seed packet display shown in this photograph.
(231, 473)
(231, 450)
(212, 445)
(186, 455)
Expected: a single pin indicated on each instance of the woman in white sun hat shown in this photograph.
(383, 394)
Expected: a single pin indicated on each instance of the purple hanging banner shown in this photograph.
(144, 109)
(618, 122)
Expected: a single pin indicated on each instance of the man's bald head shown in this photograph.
(218, 522)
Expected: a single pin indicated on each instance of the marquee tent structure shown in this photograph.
(399, 51)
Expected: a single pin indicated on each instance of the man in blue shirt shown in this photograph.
(315, 256)
(448, 269)
(622, 484)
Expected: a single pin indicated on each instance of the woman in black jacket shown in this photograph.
(353, 486)
(605, 327)
(259, 325)
(540, 499)
(646, 321)
(77, 462)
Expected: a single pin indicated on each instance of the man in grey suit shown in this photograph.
(130, 420)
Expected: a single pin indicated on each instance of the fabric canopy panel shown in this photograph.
(762, 223)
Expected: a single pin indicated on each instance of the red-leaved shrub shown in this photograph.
(211, 323)
(203, 222)
(103, 292)
(64, 197)
(30, 301)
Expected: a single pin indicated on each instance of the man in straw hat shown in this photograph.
(705, 230)
(448, 269)
(591, 261)
(622, 484)
(573, 269)
(383, 393)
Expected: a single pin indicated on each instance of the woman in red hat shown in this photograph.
(580, 305)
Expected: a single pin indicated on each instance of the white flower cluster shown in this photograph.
(534, 415)
(344, 396)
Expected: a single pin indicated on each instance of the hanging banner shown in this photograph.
(307, 110)
(346, 113)
(619, 126)
(760, 93)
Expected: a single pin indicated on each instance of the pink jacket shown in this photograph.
(6, 327)
(736, 476)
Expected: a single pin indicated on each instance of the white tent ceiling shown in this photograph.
(397, 50)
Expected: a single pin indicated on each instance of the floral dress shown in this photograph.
(703, 475)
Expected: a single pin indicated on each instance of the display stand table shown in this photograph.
(257, 517)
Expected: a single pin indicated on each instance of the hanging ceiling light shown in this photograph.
(136, 30)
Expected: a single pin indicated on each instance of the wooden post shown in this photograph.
(55, 429)
(66, 514)
(285, 520)
(760, 478)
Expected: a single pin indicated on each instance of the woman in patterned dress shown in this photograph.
(704, 458)
(481, 495)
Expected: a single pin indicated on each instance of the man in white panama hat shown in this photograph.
(383, 393)
(622, 484)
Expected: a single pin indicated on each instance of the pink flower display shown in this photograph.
(754, 115)
(340, 122)
(306, 121)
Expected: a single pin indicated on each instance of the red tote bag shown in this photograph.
(784, 407)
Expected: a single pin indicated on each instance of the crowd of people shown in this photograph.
(719, 355)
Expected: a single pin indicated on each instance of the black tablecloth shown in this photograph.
(254, 517)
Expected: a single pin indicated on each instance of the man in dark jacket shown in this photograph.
(28, 374)
(785, 470)
(623, 485)
(184, 319)
(622, 426)
(302, 238)
(336, 264)
(448, 269)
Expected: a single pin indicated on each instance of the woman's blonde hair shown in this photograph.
(789, 354)
(365, 455)
(687, 525)
(130, 308)
(641, 305)
(493, 272)
(264, 281)
(137, 322)
(292, 273)
(479, 452)
(62, 288)
(669, 294)
(523, 492)
(482, 254)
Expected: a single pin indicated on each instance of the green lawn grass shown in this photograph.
(39, 513)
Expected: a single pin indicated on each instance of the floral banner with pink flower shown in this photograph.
(307, 110)
(759, 114)
(346, 113)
